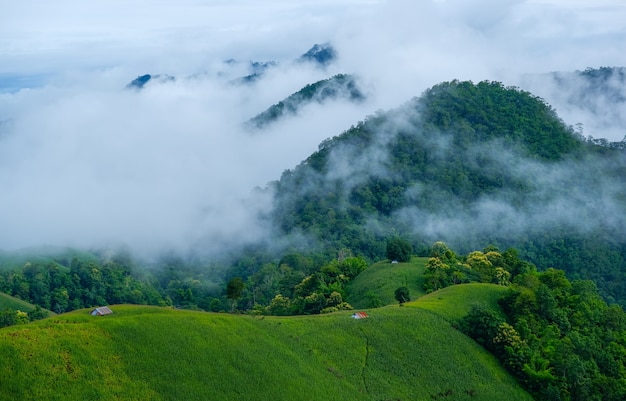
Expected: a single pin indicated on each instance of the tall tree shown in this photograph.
(234, 288)
(399, 249)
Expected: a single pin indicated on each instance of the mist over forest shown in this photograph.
(86, 163)
(463, 160)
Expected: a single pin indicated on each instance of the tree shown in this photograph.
(37, 314)
(60, 300)
(483, 325)
(8, 317)
(234, 288)
(280, 306)
(402, 295)
(441, 251)
(479, 262)
(352, 266)
(399, 249)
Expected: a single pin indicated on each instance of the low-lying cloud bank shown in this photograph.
(85, 162)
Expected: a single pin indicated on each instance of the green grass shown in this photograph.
(454, 302)
(150, 353)
(381, 280)
(7, 301)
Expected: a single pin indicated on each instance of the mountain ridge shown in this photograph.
(468, 164)
(340, 86)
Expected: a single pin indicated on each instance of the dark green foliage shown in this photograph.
(466, 163)
(489, 266)
(338, 86)
(80, 282)
(37, 314)
(402, 295)
(482, 325)
(8, 317)
(560, 339)
(399, 249)
(234, 288)
(297, 284)
(487, 111)
(322, 291)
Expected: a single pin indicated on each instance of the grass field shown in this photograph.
(381, 280)
(454, 302)
(150, 353)
(7, 301)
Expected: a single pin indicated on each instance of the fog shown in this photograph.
(85, 162)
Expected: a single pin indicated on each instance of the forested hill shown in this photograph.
(341, 86)
(469, 164)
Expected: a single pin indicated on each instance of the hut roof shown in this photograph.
(103, 310)
(360, 315)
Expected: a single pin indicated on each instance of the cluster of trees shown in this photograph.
(282, 290)
(83, 283)
(10, 317)
(303, 283)
(558, 337)
(298, 283)
(444, 268)
(399, 250)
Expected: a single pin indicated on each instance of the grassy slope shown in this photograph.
(7, 301)
(149, 353)
(383, 278)
(454, 302)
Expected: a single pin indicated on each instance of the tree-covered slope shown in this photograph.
(163, 354)
(469, 164)
(64, 279)
(340, 86)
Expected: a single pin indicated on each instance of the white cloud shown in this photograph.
(85, 161)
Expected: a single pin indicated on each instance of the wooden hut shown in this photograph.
(101, 311)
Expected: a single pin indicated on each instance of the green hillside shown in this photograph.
(455, 302)
(7, 301)
(468, 164)
(341, 86)
(375, 286)
(152, 353)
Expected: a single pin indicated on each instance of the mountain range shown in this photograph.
(470, 164)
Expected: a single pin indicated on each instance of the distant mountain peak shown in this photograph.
(142, 80)
(322, 54)
(341, 86)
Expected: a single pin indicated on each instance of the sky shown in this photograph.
(85, 162)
